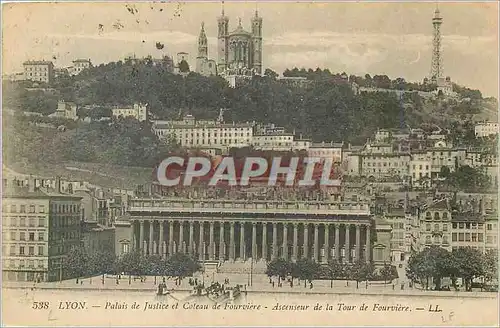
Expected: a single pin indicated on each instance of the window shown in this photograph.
(427, 239)
(41, 209)
(489, 226)
(480, 237)
(445, 227)
(436, 216)
(32, 236)
(467, 236)
(436, 227)
(12, 250)
(13, 209)
(22, 222)
(125, 248)
(40, 236)
(31, 250)
(461, 225)
(32, 222)
(40, 250)
(454, 236)
(12, 235)
(22, 209)
(474, 236)
(445, 239)
(461, 236)
(445, 215)
(21, 250)
(32, 208)
(22, 235)
(428, 227)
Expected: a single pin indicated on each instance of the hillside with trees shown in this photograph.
(326, 109)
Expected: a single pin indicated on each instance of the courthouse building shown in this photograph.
(237, 230)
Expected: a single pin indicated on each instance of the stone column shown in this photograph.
(242, 241)
(264, 241)
(132, 236)
(316, 242)
(232, 246)
(221, 241)
(150, 241)
(160, 240)
(275, 241)
(347, 243)
(201, 248)
(368, 243)
(171, 238)
(181, 237)
(358, 242)
(285, 241)
(295, 241)
(337, 241)
(141, 237)
(306, 240)
(327, 243)
(254, 241)
(212, 245)
(191, 238)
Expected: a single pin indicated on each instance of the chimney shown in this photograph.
(58, 185)
(31, 184)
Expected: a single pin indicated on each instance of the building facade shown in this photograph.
(485, 129)
(137, 111)
(192, 133)
(39, 227)
(39, 71)
(79, 65)
(66, 110)
(239, 51)
(232, 230)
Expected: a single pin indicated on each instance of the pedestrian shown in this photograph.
(393, 286)
(273, 284)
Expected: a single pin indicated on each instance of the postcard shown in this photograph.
(250, 164)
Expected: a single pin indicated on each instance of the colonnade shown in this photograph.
(217, 240)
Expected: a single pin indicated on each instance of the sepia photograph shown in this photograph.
(239, 163)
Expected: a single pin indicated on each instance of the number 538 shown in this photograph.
(40, 305)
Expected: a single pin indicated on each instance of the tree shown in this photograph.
(468, 264)
(102, 262)
(335, 269)
(490, 265)
(183, 66)
(181, 265)
(270, 73)
(308, 269)
(386, 272)
(278, 267)
(76, 263)
(132, 263)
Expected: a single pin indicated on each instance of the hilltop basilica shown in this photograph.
(239, 51)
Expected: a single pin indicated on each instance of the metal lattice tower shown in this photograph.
(437, 60)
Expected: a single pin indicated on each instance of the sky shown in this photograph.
(357, 37)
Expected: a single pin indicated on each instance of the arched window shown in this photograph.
(427, 239)
(445, 215)
(436, 215)
(436, 227)
(428, 215)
